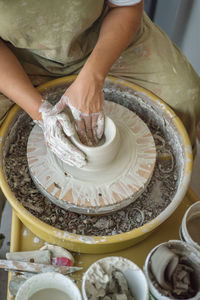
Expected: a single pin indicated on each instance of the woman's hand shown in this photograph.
(57, 129)
(85, 99)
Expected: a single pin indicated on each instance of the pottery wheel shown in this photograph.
(103, 190)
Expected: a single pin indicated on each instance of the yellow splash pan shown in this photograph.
(101, 244)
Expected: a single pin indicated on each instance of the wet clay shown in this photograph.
(193, 227)
(110, 287)
(50, 294)
(106, 280)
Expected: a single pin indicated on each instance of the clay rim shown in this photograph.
(99, 147)
(184, 228)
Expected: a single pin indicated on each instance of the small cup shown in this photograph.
(190, 226)
(99, 157)
(134, 275)
(54, 282)
(180, 248)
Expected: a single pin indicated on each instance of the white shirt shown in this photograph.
(124, 2)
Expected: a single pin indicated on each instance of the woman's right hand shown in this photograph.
(57, 129)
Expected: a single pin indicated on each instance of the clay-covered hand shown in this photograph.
(85, 99)
(57, 129)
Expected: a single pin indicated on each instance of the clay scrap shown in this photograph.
(31, 256)
(104, 286)
(173, 274)
(58, 252)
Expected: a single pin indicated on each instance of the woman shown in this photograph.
(92, 39)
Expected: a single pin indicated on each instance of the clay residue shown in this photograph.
(102, 285)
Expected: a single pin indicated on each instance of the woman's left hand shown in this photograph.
(85, 99)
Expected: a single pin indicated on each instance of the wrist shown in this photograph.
(93, 75)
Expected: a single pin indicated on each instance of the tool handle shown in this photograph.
(36, 268)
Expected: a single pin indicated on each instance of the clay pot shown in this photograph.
(101, 156)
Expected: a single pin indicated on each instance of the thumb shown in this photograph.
(100, 125)
(66, 124)
(59, 106)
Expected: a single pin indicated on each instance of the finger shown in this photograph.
(88, 128)
(94, 127)
(68, 158)
(66, 124)
(76, 113)
(81, 131)
(58, 143)
(80, 125)
(66, 146)
(64, 149)
(100, 125)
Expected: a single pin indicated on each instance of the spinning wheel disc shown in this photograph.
(102, 190)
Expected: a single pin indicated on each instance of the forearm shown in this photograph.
(15, 84)
(117, 31)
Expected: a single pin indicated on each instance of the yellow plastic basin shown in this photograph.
(102, 244)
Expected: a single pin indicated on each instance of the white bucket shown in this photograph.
(53, 285)
(183, 249)
(190, 226)
(135, 277)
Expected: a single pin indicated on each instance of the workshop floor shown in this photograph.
(6, 222)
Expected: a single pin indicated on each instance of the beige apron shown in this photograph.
(54, 38)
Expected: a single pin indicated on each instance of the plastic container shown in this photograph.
(190, 227)
(134, 275)
(49, 286)
(183, 249)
